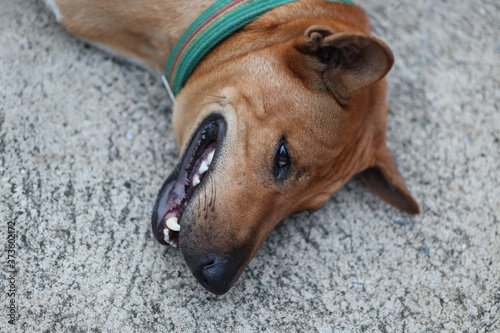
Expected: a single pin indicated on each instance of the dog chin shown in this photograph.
(184, 183)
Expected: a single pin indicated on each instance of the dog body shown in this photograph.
(273, 120)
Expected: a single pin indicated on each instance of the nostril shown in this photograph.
(213, 271)
(217, 275)
(203, 270)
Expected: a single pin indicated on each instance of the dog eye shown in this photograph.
(282, 161)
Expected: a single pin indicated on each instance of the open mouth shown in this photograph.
(189, 173)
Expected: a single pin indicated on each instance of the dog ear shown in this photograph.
(346, 62)
(384, 179)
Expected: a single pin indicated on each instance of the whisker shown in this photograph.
(206, 203)
(199, 206)
(214, 196)
(211, 193)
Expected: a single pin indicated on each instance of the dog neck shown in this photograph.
(219, 21)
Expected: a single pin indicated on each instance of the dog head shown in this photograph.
(272, 122)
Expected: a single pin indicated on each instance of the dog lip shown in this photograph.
(176, 192)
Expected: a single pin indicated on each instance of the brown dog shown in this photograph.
(273, 121)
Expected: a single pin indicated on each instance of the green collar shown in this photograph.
(215, 24)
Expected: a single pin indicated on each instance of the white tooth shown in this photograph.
(196, 180)
(210, 157)
(172, 224)
(165, 234)
(203, 167)
(171, 243)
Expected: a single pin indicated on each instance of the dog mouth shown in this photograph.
(188, 176)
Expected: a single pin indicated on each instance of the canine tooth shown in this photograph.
(203, 167)
(210, 157)
(173, 224)
(196, 180)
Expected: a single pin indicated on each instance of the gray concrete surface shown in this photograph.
(86, 142)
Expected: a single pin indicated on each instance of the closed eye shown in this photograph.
(282, 161)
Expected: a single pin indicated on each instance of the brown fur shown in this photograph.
(309, 71)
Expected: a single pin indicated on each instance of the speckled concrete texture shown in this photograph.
(86, 141)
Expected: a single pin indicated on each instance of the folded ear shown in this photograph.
(384, 179)
(346, 61)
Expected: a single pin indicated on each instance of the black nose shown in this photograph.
(217, 275)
